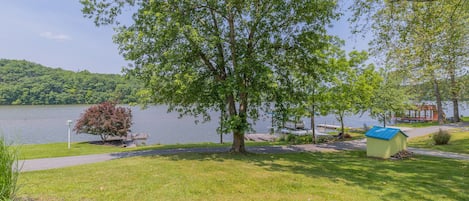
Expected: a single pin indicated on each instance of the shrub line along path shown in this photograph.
(60, 162)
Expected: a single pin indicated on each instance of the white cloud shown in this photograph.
(54, 36)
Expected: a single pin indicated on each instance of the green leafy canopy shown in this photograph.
(197, 56)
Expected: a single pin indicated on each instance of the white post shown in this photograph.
(69, 123)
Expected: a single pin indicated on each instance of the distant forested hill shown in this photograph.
(27, 83)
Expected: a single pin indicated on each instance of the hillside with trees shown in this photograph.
(27, 83)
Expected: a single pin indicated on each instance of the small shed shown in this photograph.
(385, 142)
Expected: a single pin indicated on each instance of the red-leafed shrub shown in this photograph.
(105, 120)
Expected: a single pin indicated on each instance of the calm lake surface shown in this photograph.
(46, 124)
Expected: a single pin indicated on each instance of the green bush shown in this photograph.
(441, 137)
(290, 138)
(8, 170)
(296, 139)
(323, 139)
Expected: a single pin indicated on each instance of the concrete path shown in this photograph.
(416, 132)
(51, 163)
(429, 152)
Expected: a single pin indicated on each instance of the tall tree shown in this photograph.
(455, 54)
(186, 51)
(390, 97)
(313, 78)
(425, 38)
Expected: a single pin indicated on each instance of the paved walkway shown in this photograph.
(51, 163)
(59, 162)
(429, 152)
(415, 132)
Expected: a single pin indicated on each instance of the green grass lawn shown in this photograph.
(465, 119)
(356, 135)
(458, 143)
(293, 176)
(32, 151)
(293, 139)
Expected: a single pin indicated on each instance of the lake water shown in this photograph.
(46, 124)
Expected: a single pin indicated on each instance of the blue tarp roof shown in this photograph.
(383, 133)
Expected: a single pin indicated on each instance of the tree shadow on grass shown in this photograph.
(463, 145)
(454, 145)
(420, 178)
(459, 146)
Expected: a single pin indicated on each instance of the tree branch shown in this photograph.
(221, 55)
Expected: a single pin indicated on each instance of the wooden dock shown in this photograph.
(328, 126)
(258, 137)
(137, 136)
(325, 127)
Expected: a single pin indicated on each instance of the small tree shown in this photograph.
(105, 120)
(353, 88)
(9, 170)
(390, 97)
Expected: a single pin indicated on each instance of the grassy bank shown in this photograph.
(416, 124)
(466, 119)
(295, 176)
(293, 139)
(33, 151)
(459, 143)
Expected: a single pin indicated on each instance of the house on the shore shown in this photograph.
(420, 113)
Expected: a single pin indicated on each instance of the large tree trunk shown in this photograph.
(452, 66)
(454, 96)
(342, 127)
(238, 131)
(238, 142)
(222, 120)
(439, 105)
(456, 110)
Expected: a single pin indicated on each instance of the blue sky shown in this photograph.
(54, 33)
